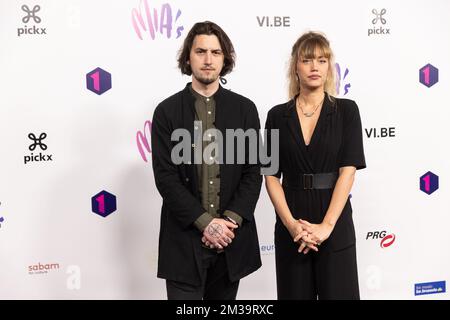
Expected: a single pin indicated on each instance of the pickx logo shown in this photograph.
(98, 81)
(386, 239)
(378, 22)
(104, 203)
(145, 19)
(31, 16)
(37, 143)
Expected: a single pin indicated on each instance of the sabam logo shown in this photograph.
(276, 21)
(267, 249)
(42, 268)
(142, 140)
(37, 142)
(150, 24)
(378, 18)
(98, 81)
(340, 79)
(386, 240)
(31, 15)
(429, 182)
(383, 132)
(429, 288)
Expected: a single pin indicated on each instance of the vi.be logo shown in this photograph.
(98, 81)
(104, 203)
(37, 144)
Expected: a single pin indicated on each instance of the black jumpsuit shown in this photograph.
(336, 142)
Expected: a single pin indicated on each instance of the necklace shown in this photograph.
(309, 114)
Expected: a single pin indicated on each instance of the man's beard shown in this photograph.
(204, 80)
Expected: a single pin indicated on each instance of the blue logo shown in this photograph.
(429, 288)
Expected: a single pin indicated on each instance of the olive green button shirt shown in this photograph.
(208, 171)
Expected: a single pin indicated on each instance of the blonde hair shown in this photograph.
(306, 46)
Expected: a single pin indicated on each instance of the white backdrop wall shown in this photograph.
(52, 245)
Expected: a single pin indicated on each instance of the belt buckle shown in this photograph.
(308, 181)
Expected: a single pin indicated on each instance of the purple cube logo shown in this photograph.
(429, 182)
(429, 75)
(104, 203)
(98, 81)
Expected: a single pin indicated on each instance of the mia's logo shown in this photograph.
(31, 16)
(98, 81)
(104, 203)
(35, 146)
(341, 80)
(142, 140)
(429, 182)
(378, 18)
(146, 20)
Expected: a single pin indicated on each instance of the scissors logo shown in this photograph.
(37, 141)
(31, 14)
(379, 16)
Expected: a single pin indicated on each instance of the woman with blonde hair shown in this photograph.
(320, 149)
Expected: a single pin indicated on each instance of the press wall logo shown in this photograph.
(143, 140)
(30, 18)
(428, 75)
(381, 132)
(267, 249)
(37, 143)
(386, 239)
(98, 81)
(104, 203)
(274, 21)
(2, 219)
(42, 268)
(144, 19)
(341, 81)
(378, 23)
(429, 182)
(429, 288)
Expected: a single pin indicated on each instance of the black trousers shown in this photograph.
(215, 282)
(323, 275)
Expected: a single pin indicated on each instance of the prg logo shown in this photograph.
(37, 143)
(378, 18)
(98, 81)
(104, 203)
(386, 240)
(429, 182)
(149, 20)
(31, 15)
(429, 75)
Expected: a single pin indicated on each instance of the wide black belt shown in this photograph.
(311, 181)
